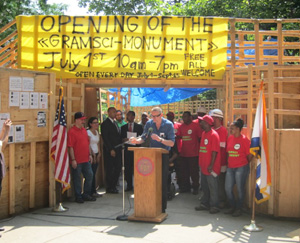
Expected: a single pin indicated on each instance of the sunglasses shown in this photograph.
(156, 115)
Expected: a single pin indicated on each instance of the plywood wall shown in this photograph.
(26, 184)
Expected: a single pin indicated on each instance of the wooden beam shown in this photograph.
(11, 180)
(52, 107)
(32, 175)
(272, 202)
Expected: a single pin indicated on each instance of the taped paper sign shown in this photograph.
(105, 47)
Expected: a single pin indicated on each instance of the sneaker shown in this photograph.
(237, 213)
(213, 210)
(201, 207)
(89, 198)
(79, 200)
(229, 211)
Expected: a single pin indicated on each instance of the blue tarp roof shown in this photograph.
(157, 96)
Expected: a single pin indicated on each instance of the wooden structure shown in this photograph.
(25, 186)
(148, 184)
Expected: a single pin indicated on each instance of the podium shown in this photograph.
(148, 184)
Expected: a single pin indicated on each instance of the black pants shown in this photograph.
(113, 166)
(128, 162)
(94, 169)
(164, 181)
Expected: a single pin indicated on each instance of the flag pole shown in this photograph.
(58, 186)
(252, 227)
(59, 208)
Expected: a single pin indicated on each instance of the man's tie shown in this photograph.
(130, 127)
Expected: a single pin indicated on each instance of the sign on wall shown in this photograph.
(105, 47)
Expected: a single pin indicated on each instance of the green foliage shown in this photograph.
(208, 95)
(9, 9)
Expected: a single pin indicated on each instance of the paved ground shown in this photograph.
(95, 222)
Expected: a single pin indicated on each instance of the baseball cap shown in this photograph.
(207, 119)
(216, 113)
(201, 109)
(79, 115)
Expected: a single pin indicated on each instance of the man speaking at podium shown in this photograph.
(160, 132)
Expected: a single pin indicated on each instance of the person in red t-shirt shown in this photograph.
(80, 156)
(190, 134)
(210, 163)
(238, 152)
(217, 115)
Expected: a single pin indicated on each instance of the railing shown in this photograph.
(8, 47)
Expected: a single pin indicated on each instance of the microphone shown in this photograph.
(150, 130)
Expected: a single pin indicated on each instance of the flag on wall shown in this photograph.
(59, 152)
(260, 148)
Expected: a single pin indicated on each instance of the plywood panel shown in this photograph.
(288, 155)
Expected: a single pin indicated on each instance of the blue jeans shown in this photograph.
(239, 177)
(86, 170)
(209, 185)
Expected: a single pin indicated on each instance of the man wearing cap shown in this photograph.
(190, 133)
(162, 136)
(210, 163)
(217, 115)
(111, 135)
(80, 157)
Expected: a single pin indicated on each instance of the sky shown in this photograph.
(73, 8)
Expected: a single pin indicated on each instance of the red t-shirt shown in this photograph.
(210, 142)
(223, 135)
(238, 149)
(79, 141)
(178, 140)
(190, 135)
(198, 123)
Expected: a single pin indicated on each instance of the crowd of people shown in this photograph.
(203, 155)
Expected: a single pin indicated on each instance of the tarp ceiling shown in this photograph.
(157, 96)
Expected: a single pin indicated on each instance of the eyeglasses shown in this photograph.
(156, 115)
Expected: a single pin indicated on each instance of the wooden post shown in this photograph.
(232, 37)
(271, 132)
(231, 93)
(12, 193)
(32, 175)
(280, 42)
(52, 107)
(257, 40)
(249, 99)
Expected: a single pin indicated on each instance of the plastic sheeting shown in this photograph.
(157, 96)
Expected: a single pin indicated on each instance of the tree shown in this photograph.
(9, 9)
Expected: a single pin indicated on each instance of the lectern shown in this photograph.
(148, 184)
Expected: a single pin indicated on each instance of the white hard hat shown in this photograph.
(216, 113)
(201, 109)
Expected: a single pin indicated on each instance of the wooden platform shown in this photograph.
(157, 219)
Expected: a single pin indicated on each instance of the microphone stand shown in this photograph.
(123, 217)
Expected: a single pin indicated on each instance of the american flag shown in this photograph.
(59, 153)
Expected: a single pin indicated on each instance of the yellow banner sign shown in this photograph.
(104, 47)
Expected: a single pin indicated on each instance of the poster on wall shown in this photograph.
(41, 119)
(34, 100)
(11, 134)
(19, 133)
(24, 100)
(28, 84)
(15, 83)
(14, 98)
(3, 118)
(43, 101)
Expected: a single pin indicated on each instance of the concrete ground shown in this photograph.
(96, 222)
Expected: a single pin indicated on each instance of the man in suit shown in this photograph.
(131, 126)
(111, 136)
